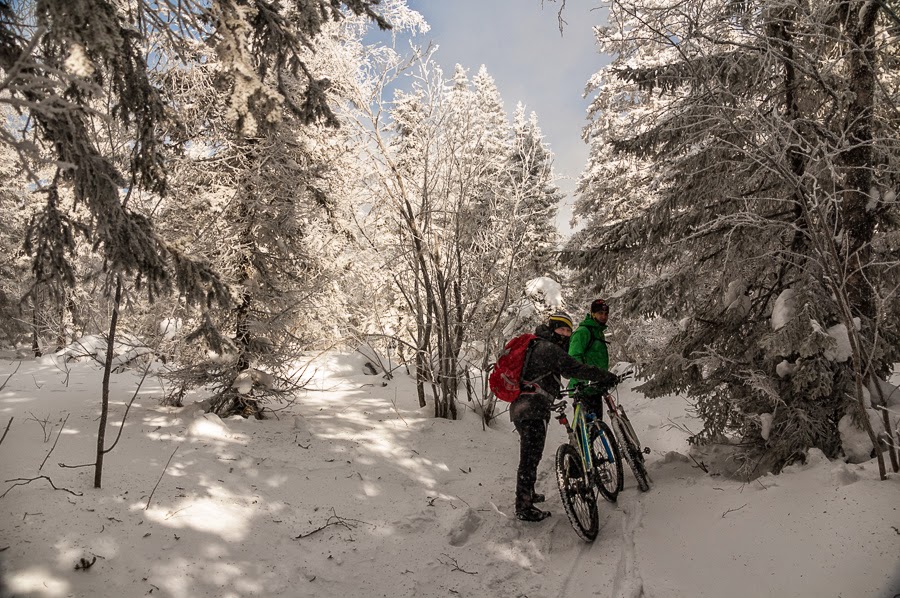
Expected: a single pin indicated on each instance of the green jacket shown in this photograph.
(588, 345)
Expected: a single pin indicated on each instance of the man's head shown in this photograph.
(599, 310)
(560, 324)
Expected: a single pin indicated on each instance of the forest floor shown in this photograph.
(353, 490)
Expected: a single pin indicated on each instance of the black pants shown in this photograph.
(532, 435)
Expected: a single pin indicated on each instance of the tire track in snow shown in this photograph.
(587, 569)
(628, 582)
(571, 574)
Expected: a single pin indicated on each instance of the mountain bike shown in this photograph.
(627, 439)
(589, 461)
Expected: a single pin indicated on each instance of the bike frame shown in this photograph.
(579, 436)
(616, 411)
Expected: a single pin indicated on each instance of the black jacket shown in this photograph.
(545, 362)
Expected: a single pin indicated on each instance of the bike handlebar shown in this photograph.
(584, 385)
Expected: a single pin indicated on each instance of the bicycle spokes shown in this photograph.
(576, 493)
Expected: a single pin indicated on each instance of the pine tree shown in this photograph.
(536, 195)
(739, 152)
(271, 223)
(61, 59)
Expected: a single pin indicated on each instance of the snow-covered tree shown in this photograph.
(741, 151)
(65, 63)
(269, 208)
(452, 194)
(532, 188)
(14, 270)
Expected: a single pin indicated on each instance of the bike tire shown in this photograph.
(577, 493)
(634, 457)
(607, 461)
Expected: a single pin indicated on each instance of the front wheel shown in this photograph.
(577, 493)
(607, 461)
(634, 457)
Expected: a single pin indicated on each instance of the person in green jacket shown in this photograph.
(588, 345)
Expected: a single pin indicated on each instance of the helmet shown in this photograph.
(558, 319)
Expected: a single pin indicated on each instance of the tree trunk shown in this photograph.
(104, 387)
(35, 336)
(858, 223)
(61, 325)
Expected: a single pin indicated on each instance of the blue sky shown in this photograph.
(520, 43)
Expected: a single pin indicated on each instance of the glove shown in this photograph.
(609, 379)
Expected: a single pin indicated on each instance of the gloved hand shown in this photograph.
(608, 380)
(625, 376)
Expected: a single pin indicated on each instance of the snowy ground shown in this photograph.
(355, 491)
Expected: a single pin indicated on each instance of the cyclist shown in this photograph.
(545, 361)
(588, 345)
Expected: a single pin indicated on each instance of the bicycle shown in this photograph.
(589, 460)
(627, 439)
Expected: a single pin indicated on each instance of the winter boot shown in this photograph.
(532, 514)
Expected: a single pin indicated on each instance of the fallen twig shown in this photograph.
(455, 565)
(397, 411)
(680, 427)
(18, 365)
(161, 477)
(23, 481)
(6, 430)
(733, 510)
(700, 464)
(133, 397)
(43, 424)
(334, 519)
(54, 442)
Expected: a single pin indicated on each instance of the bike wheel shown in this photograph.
(607, 461)
(577, 493)
(634, 457)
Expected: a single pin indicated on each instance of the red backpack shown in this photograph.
(505, 379)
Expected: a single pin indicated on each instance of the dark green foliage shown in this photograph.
(720, 140)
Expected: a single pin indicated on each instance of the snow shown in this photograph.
(766, 419)
(785, 368)
(736, 290)
(874, 196)
(545, 290)
(78, 63)
(168, 327)
(353, 490)
(785, 309)
(844, 350)
(540, 294)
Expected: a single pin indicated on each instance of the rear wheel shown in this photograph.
(607, 461)
(577, 493)
(634, 457)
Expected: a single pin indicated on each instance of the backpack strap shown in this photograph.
(528, 352)
(593, 340)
